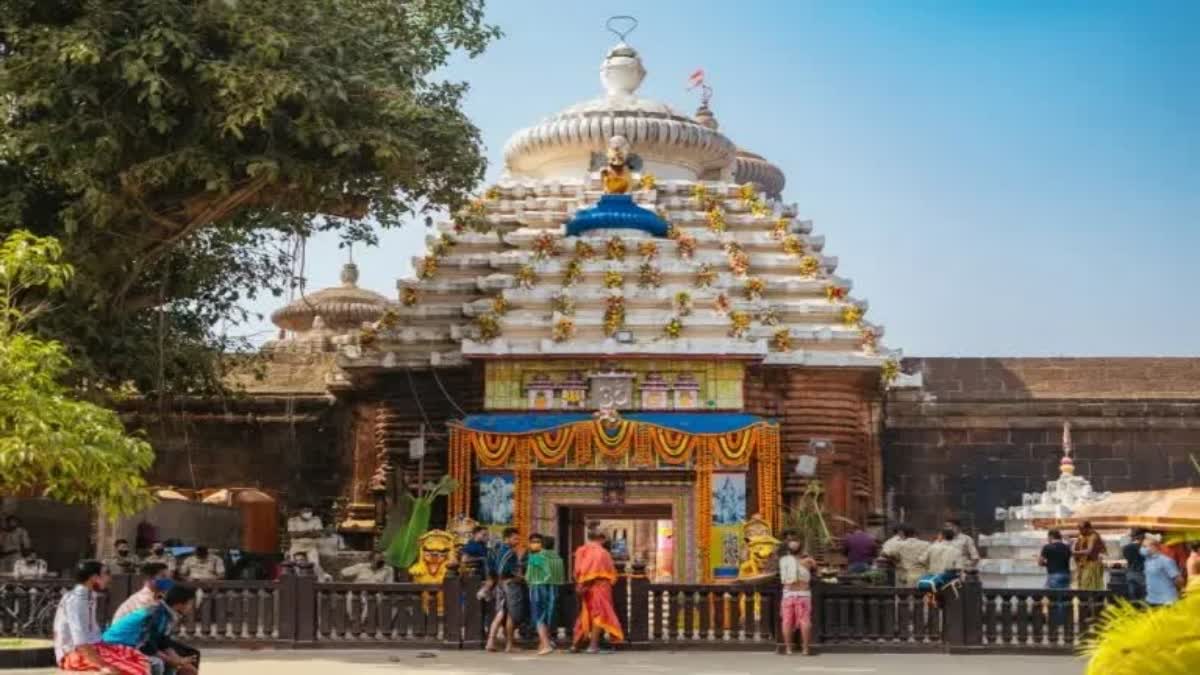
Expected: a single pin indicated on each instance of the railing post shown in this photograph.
(963, 612)
(452, 600)
(306, 604)
(817, 587)
(472, 608)
(621, 595)
(286, 617)
(1118, 582)
(639, 605)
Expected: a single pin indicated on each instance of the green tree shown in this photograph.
(172, 144)
(68, 450)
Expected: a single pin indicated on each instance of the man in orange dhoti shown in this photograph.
(595, 575)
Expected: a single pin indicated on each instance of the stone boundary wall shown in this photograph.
(980, 432)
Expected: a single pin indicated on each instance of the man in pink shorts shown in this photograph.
(795, 573)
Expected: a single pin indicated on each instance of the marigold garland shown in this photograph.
(703, 503)
(683, 303)
(706, 275)
(614, 279)
(523, 489)
(739, 262)
(870, 341)
(614, 249)
(614, 314)
(890, 371)
(834, 293)
(472, 217)
(810, 267)
(674, 328)
(739, 324)
(716, 219)
(755, 288)
(699, 192)
(427, 267)
(545, 246)
(564, 303)
(526, 277)
(584, 250)
(648, 181)
(500, 306)
(759, 210)
(780, 228)
(573, 272)
(721, 304)
(781, 341)
(852, 315)
(489, 328)
(649, 276)
(793, 245)
(492, 194)
(685, 246)
(648, 249)
(409, 297)
(643, 447)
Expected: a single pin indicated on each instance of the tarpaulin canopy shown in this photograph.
(686, 422)
(1165, 510)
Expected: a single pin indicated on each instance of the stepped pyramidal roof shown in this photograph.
(737, 276)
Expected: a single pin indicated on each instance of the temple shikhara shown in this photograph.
(648, 326)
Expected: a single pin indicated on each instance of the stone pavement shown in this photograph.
(383, 662)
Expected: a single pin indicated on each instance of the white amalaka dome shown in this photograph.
(737, 275)
(672, 145)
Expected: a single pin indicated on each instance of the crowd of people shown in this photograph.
(522, 584)
(139, 640)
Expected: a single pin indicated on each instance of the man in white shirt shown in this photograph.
(30, 566)
(942, 555)
(968, 555)
(201, 566)
(77, 645)
(795, 574)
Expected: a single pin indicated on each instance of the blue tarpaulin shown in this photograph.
(687, 422)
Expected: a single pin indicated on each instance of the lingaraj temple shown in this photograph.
(633, 328)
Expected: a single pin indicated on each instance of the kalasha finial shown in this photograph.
(1067, 465)
(349, 275)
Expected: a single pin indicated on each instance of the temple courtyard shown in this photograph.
(373, 662)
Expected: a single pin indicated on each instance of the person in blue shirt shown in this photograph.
(475, 552)
(506, 573)
(149, 630)
(1163, 579)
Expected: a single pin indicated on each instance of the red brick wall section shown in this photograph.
(984, 431)
(838, 405)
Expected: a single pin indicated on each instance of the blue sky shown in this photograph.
(997, 178)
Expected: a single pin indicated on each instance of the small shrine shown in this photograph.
(1010, 557)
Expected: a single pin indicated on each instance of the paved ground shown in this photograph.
(323, 662)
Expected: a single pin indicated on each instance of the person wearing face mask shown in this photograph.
(160, 554)
(30, 566)
(304, 531)
(124, 562)
(202, 566)
(795, 574)
(544, 573)
(377, 571)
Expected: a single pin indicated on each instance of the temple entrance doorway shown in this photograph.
(636, 533)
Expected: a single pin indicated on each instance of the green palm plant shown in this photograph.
(1133, 641)
(400, 545)
(809, 519)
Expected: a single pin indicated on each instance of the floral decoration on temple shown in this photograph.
(564, 303)
(614, 279)
(890, 371)
(781, 340)
(649, 276)
(500, 305)
(739, 261)
(870, 341)
(685, 246)
(614, 249)
(780, 228)
(753, 201)
(810, 267)
(769, 317)
(614, 314)
(443, 245)
(721, 304)
(706, 275)
(793, 245)
(674, 328)
(683, 303)
(835, 293)
(409, 296)
(545, 246)
(754, 288)
(584, 250)
(647, 181)
(526, 277)
(427, 267)
(492, 194)
(573, 272)
(673, 231)
(700, 193)
(472, 217)
(489, 327)
(715, 217)
(739, 324)
(852, 315)
(648, 249)
(564, 329)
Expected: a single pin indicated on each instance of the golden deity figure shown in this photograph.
(437, 552)
(761, 547)
(616, 175)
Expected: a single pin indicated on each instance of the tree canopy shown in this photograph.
(50, 443)
(172, 144)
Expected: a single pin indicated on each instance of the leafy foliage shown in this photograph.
(173, 144)
(1133, 641)
(69, 450)
(402, 548)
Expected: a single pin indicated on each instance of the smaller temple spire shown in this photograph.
(349, 275)
(1067, 465)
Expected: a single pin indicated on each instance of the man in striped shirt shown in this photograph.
(544, 573)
